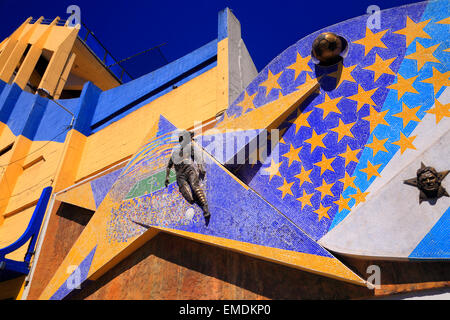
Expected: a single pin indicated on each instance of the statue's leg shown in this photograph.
(198, 192)
(185, 189)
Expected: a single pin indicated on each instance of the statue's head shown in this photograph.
(428, 179)
(185, 137)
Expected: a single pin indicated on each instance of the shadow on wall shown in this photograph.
(170, 267)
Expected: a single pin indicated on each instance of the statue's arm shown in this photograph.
(169, 166)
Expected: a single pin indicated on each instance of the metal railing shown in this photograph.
(109, 62)
(87, 37)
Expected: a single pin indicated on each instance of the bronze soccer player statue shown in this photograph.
(189, 171)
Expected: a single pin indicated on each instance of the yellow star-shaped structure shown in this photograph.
(300, 64)
(377, 145)
(285, 188)
(444, 21)
(380, 66)
(292, 154)
(343, 130)
(350, 155)
(359, 197)
(372, 40)
(301, 120)
(325, 189)
(342, 203)
(375, 118)
(316, 140)
(305, 199)
(273, 170)
(363, 97)
(405, 143)
(303, 176)
(348, 181)
(247, 102)
(345, 74)
(371, 170)
(407, 114)
(329, 105)
(438, 80)
(322, 212)
(413, 30)
(403, 85)
(271, 82)
(325, 164)
(440, 110)
(423, 55)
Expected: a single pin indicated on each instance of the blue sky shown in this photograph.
(131, 26)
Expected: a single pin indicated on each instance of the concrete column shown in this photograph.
(17, 52)
(28, 65)
(57, 62)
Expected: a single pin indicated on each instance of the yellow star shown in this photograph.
(344, 74)
(343, 203)
(300, 64)
(371, 170)
(375, 118)
(343, 130)
(413, 30)
(350, 155)
(407, 114)
(286, 188)
(325, 189)
(273, 170)
(348, 181)
(438, 80)
(377, 145)
(423, 55)
(301, 120)
(403, 85)
(316, 140)
(405, 143)
(226, 117)
(247, 102)
(322, 212)
(440, 110)
(363, 97)
(359, 197)
(303, 176)
(271, 82)
(372, 40)
(325, 164)
(444, 21)
(305, 199)
(380, 66)
(329, 105)
(292, 155)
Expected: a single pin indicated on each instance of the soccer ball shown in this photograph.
(327, 47)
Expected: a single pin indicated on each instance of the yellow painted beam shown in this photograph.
(13, 171)
(65, 74)
(17, 52)
(29, 63)
(57, 62)
(70, 160)
(222, 76)
(6, 52)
